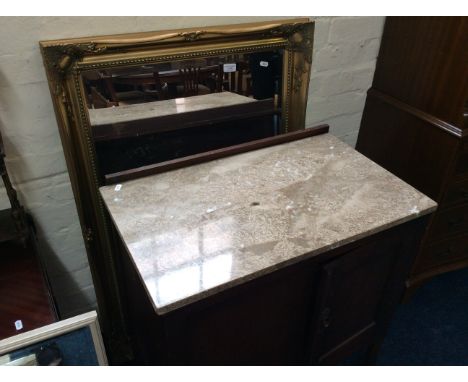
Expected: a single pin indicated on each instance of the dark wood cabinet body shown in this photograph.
(317, 311)
(415, 125)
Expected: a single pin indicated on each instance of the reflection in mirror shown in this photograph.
(154, 113)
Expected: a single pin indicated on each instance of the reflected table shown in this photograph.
(155, 109)
(175, 114)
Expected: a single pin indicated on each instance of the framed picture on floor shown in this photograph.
(75, 341)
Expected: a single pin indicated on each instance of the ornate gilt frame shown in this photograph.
(66, 59)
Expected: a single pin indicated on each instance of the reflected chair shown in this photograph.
(122, 97)
(190, 82)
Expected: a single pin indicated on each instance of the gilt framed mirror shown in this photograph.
(125, 102)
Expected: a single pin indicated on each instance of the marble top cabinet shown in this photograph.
(290, 254)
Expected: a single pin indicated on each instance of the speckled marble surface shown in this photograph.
(127, 113)
(196, 231)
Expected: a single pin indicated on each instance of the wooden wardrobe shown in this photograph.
(415, 125)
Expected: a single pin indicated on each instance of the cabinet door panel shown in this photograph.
(350, 291)
(261, 323)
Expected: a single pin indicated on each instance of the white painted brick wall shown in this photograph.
(345, 54)
(345, 50)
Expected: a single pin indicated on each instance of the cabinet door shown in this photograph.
(263, 322)
(350, 292)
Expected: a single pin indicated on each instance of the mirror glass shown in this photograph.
(142, 115)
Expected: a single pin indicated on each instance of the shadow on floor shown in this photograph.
(432, 328)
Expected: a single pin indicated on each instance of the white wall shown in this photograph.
(345, 51)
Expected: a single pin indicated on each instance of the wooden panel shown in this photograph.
(444, 252)
(142, 324)
(457, 193)
(414, 123)
(449, 222)
(350, 290)
(414, 150)
(422, 62)
(263, 323)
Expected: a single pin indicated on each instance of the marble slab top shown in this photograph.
(128, 113)
(195, 231)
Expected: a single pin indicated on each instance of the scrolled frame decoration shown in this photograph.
(65, 60)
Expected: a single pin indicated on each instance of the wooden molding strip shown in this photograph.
(451, 129)
(157, 168)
